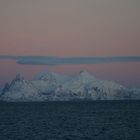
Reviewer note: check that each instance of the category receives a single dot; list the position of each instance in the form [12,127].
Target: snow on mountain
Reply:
[51,76]
[19,90]
[46,83]
[84,85]
[53,86]
[134,93]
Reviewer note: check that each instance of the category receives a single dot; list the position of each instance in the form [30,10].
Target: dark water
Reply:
[100,120]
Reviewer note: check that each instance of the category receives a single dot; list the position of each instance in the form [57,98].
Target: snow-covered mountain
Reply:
[19,90]
[52,87]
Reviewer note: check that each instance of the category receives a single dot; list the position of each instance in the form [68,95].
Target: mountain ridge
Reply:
[58,87]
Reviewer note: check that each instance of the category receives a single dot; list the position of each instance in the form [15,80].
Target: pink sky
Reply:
[71,28]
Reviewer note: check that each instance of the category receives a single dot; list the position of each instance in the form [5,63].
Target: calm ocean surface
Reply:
[100,120]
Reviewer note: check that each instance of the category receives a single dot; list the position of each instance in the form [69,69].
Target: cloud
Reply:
[48,60]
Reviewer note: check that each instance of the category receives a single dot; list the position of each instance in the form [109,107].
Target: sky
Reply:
[71,28]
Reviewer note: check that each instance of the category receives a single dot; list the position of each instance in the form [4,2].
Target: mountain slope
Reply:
[53,86]
[19,90]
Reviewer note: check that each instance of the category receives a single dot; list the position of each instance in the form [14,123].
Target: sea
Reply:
[70,120]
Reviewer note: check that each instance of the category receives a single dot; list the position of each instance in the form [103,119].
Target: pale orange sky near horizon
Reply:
[71,28]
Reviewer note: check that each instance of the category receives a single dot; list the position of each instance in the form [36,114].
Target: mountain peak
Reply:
[45,76]
[86,74]
[19,77]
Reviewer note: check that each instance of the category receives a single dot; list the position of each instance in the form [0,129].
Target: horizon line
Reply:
[56,60]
